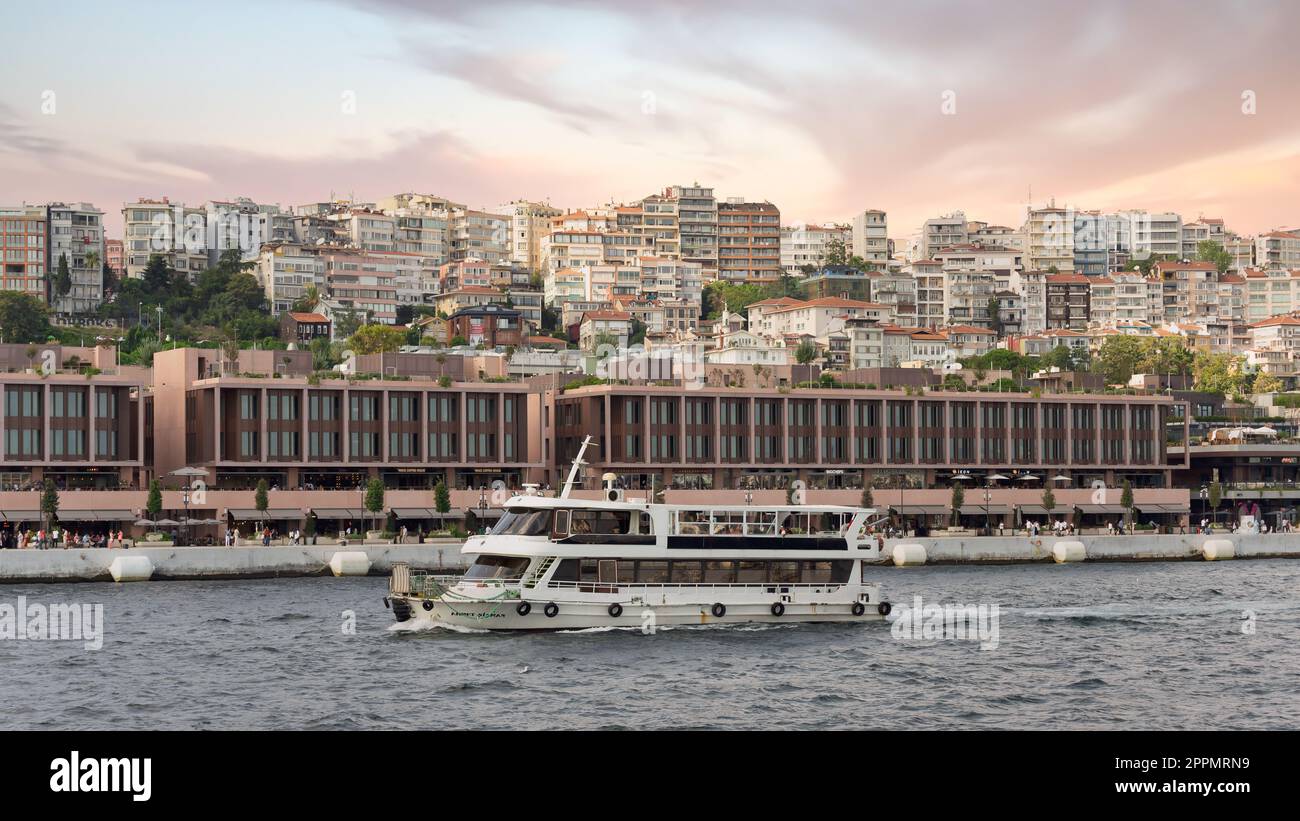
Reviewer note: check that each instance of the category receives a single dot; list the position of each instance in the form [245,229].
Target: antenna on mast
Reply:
[573,471]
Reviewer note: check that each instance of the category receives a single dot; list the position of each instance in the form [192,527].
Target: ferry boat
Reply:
[560,563]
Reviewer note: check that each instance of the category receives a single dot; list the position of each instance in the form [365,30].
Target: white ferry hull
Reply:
[592,615]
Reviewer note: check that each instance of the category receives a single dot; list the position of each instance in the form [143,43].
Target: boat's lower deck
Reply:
[505,608]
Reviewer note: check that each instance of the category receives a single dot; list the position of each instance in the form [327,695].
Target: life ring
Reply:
[523,608]
[719,610]
[615,610]
[884,608]
[859,608]
[778,609]
[427,605]
[551,610]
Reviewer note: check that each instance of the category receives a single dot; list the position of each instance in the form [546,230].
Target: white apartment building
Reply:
[1204,229]
[529,222]
[1270,293]
[940,232]
[1032,287]
[1278,250]
[173,231]
[931,310]
[286,271]
[697,222]
[479,234]
[818,317]
[806,245]
[76,231]
[871,237]
[1049,237]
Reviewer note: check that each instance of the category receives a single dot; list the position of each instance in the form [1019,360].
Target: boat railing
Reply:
[431,585]
[615,587]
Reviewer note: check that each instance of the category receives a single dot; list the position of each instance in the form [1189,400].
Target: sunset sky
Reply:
[822,108]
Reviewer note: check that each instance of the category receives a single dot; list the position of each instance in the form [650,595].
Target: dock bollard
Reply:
[350,563]
[1216,550]
[909,554]
[1069,551]
[131,569]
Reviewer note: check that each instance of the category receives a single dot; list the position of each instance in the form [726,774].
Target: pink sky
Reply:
[822,108]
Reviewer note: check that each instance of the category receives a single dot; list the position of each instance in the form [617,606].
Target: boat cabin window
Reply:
[602,522]
[725,522]
[523,522]
[497,567]
[686,572]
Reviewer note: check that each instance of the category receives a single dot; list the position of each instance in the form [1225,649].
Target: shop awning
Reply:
[921,510]
[978,509]
[1107,509]
[96,516]
[20,515]
[1165,507]
[1039,510]
[485,513]
[421,513]
[342,513]
[274,513]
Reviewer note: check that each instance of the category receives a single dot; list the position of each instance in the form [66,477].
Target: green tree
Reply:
[1118,358]
[1211,251]
[1215,498]
[1049,501]
[441,497]
[260,500]
[1126,501]
[50,503]
[1220,373]
[1266,383]
[307,302]
[157,277]
[806,352]
[995,315]
[23,318]
[868,500]
[62,278]
[958,499]
[836,252]
[377,339]
[153,504]
[375,496]
[1062,356]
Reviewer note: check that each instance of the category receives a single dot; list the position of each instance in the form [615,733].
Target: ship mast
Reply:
[573,471]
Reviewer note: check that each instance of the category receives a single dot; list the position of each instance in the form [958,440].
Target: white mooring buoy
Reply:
[1069,551]
[131,569]
[350,563]
[909,554]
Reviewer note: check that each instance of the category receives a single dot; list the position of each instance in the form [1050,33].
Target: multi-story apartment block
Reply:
[530,222]
[286,271]
[804,246]
[114,257]
[76,232]
[1032,287]
[1049,237]
[23,237]
[481,235]
[871,237]
[1092,252]
[1204,229]
[173,231]
[1269,293]
[749,241]
[1067,301]
[897,290]
[466,272]
[940,232]
[1278,250]
[931,310]
[697,222]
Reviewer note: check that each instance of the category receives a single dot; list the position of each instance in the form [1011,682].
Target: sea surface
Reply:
[1183,645]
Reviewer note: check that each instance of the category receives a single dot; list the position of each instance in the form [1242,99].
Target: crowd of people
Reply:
[60,538]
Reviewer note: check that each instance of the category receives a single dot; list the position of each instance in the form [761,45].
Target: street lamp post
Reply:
[482,505]
[159,309]
[185,525]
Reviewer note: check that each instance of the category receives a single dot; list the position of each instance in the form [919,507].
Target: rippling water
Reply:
[1124,646]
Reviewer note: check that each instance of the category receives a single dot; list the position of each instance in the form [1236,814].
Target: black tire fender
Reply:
[523,608]
[719,610]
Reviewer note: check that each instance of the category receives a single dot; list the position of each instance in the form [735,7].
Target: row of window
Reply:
[725,571]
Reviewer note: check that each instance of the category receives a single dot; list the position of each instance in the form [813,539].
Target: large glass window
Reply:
[497,567]
[523,522]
